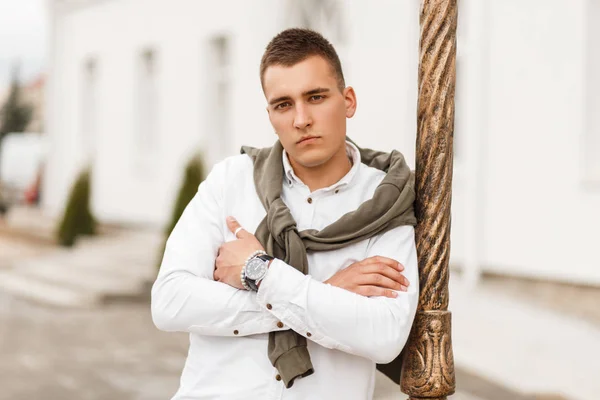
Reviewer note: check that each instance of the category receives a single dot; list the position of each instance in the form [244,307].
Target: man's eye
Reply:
[316,97]
[281,106]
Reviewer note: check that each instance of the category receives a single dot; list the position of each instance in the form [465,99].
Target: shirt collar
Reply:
[351,150]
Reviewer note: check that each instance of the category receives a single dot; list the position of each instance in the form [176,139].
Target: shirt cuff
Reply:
[282,285]
[284,292]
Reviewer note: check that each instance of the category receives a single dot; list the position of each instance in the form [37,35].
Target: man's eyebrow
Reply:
[278,99]
[315,91]
[307,93]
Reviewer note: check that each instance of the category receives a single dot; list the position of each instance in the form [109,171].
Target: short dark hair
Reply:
[294,45]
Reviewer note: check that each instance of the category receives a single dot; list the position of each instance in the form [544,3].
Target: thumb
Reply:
[233,225]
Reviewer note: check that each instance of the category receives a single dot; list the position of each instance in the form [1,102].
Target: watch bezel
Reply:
[260,270]
[252,282]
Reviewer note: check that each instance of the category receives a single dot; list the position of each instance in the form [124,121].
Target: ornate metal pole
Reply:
[428,366]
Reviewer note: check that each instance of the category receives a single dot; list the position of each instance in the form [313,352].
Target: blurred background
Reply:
[113,111]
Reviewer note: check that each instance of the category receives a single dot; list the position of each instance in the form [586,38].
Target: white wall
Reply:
[383,60]
[114,33]
[591,135]
[537,217]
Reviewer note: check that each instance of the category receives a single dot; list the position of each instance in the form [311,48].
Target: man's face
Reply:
[307,110]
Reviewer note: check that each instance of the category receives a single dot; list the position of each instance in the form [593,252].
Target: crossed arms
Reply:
[186,297]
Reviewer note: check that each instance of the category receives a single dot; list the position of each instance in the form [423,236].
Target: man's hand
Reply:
[232,255]
[374,276]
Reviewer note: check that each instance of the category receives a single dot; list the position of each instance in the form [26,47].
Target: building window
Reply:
[89,103]
[146,132]
[219,76]
[323,16]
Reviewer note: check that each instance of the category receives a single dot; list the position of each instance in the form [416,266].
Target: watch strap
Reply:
[265,257]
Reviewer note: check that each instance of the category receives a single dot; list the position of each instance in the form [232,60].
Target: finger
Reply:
[387,283]
[381,281]
[370,291]
[385,270]
[384,260]
[235,227]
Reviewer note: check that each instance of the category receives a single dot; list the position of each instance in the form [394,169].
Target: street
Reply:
[113,352]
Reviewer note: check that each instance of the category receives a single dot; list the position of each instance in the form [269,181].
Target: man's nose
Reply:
[302,119]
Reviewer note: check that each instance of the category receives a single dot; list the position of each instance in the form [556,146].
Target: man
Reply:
[331,297]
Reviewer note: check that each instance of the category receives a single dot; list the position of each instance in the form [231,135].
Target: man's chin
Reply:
[311,160]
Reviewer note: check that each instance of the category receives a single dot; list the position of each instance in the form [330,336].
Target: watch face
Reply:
[255,269]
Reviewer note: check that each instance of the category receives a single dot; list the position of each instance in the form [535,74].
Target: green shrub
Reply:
[15,115]
[77,219]
[193,176]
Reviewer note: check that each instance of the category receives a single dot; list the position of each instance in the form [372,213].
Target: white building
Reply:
[136,86]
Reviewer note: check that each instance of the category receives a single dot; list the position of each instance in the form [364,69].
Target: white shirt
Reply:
[347,333]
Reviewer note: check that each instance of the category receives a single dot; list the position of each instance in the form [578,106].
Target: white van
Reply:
[21,158]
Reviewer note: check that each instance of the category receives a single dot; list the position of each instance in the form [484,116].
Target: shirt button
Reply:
[337,191]
[280,324]
[308,334]
[278,377]
[236,332]
[309,200]
[269,306]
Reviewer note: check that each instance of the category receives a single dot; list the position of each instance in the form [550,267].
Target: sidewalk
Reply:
[111,352]
[524,345]
[24,233]
[116,264]
[506,344]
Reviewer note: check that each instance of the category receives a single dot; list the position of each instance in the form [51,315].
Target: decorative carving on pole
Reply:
[428,367]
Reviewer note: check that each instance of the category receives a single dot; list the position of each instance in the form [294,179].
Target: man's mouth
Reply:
[307,139]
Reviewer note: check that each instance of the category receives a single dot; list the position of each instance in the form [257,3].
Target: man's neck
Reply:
[326,174]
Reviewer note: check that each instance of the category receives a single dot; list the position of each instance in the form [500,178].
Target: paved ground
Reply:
[576,300]
[96,270]
[115,352]
[508,335]
[519,341]
[107,353]
[13,249]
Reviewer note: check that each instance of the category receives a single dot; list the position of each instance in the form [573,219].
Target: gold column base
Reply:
[428,366]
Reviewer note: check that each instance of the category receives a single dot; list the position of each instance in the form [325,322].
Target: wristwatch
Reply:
[256,269]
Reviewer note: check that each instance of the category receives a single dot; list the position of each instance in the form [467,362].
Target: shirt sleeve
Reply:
[372,327]
[185,296]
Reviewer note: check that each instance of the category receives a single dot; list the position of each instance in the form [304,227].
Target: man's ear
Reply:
[350,100]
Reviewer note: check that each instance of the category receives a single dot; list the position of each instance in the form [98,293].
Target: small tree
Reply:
[193,176]
[14,115]
[77,219]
